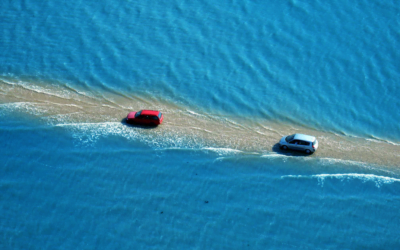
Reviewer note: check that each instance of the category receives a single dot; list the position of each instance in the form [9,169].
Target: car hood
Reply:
[283,141]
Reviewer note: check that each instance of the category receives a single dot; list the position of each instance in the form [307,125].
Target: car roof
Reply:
[150,112]
[304,137]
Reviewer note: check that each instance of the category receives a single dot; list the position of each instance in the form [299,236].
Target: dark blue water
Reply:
[72,176]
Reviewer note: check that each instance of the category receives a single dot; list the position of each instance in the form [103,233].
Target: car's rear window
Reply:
[159,115]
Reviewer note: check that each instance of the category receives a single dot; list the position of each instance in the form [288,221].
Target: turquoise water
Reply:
[74,176]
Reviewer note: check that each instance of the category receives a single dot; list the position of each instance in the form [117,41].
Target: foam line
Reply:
[379,180]
[194,113]
[377,140]
[201,129]
[223,151]
[91,124]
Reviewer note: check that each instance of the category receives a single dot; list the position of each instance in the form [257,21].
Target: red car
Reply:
[145,117]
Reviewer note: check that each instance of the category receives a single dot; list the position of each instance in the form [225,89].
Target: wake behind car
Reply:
[306,143]
[145,117]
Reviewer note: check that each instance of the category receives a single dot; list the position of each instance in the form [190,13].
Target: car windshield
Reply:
[159,115]
[138,113]
[289,138]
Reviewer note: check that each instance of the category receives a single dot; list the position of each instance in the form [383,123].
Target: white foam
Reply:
[379,180]
[323,160]
[275,155]
[377,140]
[28,107]
[88,124]
[270,129]
[87,134]
[111,107]
[202,129]
[344,162]
[373,139]
[193,113]
[281,157]
[223,151]
[7,82]
[56,90]
[38,89]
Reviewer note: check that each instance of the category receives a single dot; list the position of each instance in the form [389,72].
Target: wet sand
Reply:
[62,106]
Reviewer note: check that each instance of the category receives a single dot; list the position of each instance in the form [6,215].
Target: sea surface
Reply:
[231,78]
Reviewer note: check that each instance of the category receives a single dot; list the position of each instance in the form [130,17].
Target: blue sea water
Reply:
[328,66]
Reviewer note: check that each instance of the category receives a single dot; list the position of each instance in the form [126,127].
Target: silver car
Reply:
[306,143]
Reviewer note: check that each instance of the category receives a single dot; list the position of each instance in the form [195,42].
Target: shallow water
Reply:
[231,79]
